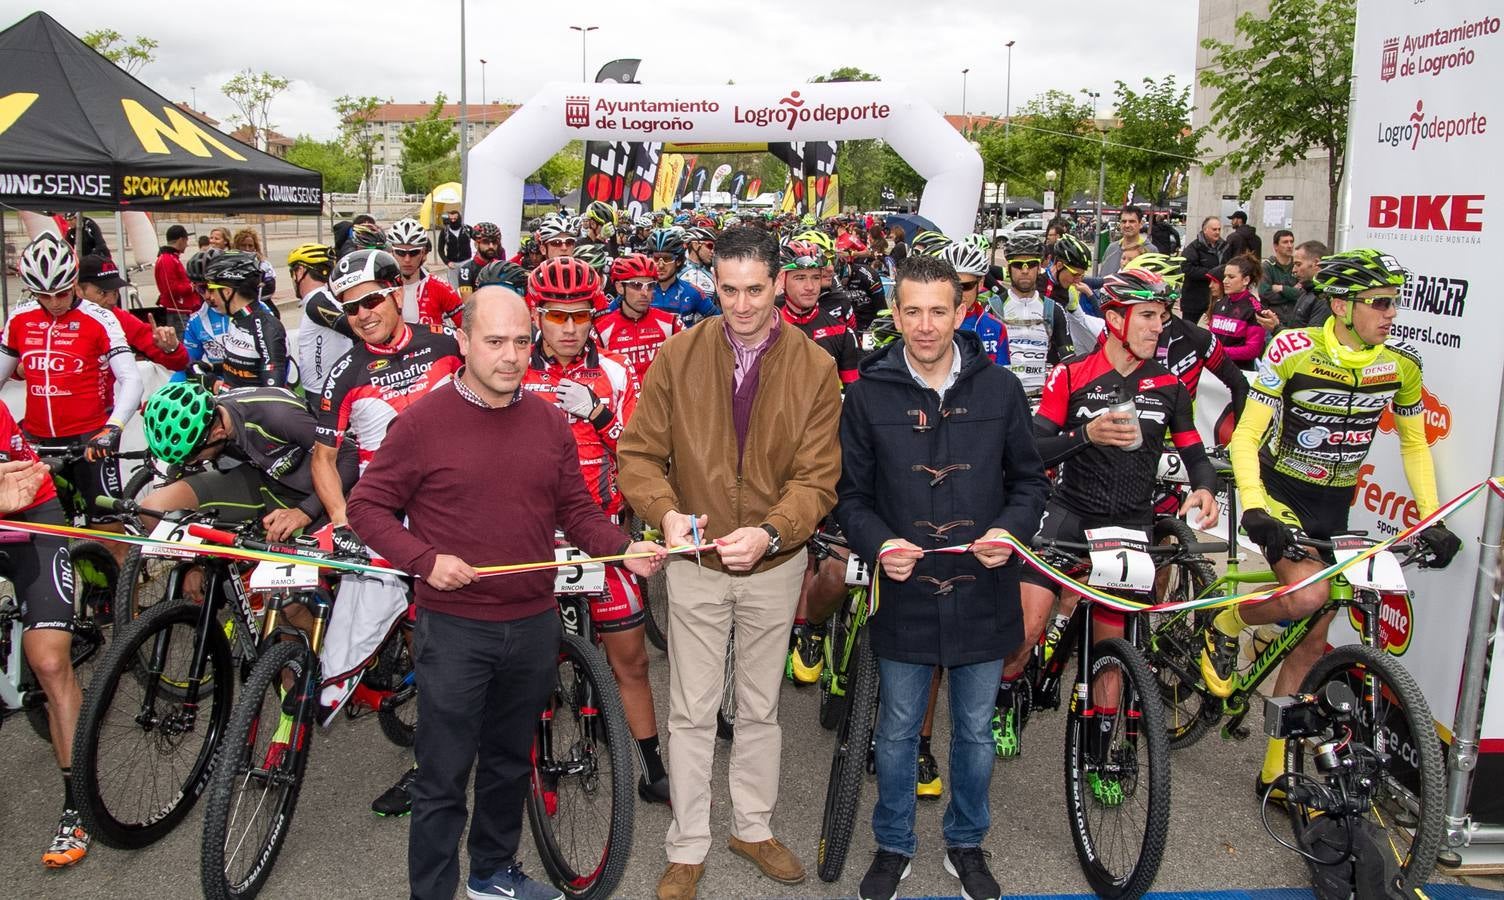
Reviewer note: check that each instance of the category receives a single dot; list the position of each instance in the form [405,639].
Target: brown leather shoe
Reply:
[776,861]
[679,881]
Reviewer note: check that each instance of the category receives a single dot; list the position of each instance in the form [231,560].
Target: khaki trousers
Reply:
[702,606]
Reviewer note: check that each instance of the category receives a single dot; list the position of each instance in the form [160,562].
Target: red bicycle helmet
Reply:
[633,265]
[563,279]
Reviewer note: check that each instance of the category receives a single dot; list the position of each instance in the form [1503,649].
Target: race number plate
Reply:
[277,576]
[578,579]
[1380,572]
[171,531]
[857,571]
[1172,468]
[1120,559]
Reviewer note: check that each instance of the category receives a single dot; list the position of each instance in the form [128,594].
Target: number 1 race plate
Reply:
[589,578]
[171,531]
[1380,572]
[1120,559]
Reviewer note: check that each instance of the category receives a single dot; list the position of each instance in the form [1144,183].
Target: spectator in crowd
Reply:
[203,242]
[1279,288]
[1311,309]
[99,282]
[454,240]
[1201,256]
[1131,244]
[1243,239]
[175,292]
[219,238]
[1058,226]
[1234,316]
[248,241]
[898,248]
[93,238]
[1163,235]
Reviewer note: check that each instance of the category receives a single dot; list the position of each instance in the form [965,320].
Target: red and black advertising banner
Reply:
[792,155]
[608,162]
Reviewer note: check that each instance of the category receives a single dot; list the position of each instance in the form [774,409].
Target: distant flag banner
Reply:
[606,162]
[792,155]
[822,192]
[721,171]
[666,185]
[754,187]
[697,181]
[642,173]
[738,188]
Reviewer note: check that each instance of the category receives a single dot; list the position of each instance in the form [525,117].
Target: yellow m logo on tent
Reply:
[183,131]
[12,107]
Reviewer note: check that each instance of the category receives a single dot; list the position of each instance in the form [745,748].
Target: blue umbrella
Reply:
[910,223]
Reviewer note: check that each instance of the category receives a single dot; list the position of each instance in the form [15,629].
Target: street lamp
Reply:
[1096,267]
[1008,94]
[583,30]
[464,112]
[1049,190]
[963,94]
[485,116]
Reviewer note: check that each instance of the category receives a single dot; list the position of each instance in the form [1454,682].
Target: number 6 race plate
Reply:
[1120,559]
[578,579]
[171,531]
[1380,572]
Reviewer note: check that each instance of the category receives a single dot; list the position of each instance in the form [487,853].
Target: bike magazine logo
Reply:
[1437,416]
[1426,218]
[1396,621]
[1436,128]
[1434,52]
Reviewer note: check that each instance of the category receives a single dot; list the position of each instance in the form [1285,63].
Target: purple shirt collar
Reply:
[747,356]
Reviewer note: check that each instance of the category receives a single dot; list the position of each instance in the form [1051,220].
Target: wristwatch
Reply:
[775,543]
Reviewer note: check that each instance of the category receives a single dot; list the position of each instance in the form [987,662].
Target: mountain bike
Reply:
[848,700]
[257,775]
[581,806]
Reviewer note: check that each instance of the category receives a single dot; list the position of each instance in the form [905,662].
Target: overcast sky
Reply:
[408,50]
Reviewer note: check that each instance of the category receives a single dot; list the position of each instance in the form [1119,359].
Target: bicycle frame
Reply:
[838,659]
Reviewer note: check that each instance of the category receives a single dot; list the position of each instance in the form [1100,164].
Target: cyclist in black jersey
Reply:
[255,346]
[1102,482]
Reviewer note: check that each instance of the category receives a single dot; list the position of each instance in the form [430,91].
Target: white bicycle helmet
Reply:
[553,226]
[407,233]
[966,259]
[362,266]
[47,265]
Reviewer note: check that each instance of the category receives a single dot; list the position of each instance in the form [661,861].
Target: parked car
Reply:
[1025,225]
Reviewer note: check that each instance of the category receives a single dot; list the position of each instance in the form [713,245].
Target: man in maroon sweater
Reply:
[487,645]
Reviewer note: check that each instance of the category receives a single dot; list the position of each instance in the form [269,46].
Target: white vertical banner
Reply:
[1426,186]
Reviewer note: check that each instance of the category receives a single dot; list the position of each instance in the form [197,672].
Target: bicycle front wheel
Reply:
[848,767]
[141,754]
[1393,718]
[1117,774]
[581,806]
[257,774]
[1175,639]
[394,673]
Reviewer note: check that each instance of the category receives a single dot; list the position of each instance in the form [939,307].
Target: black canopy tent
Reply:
[78,132]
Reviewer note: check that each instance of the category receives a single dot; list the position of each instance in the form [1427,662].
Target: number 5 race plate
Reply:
[578,579]
[1120,559]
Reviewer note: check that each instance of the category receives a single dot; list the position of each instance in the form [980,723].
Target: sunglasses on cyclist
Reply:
[52,295]
[805,262]
[561,242]
[369,301]
[1382,304]
[969,286]
[415,251]
[1023,263]
[561,316]
[640,284]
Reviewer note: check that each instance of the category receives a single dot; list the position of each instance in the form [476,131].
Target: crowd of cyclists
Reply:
[607,293]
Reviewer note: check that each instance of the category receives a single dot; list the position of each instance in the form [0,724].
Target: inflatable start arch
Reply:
[680,114]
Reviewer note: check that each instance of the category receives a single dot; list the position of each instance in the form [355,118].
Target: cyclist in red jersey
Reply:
[799,285]
[67,349]
[425,299]
[635,329]
[486,237]
[597,392]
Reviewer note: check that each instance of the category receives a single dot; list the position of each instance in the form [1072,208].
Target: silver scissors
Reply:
[694,530]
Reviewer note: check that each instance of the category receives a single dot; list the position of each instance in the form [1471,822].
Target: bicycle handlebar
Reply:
[1200,548]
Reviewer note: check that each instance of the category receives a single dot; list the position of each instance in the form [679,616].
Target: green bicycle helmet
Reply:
[176,419]
[1072,253]
[1352,271]
[929,243]
[1161,264]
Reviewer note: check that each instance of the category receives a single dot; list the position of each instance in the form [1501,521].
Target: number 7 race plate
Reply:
[171,531]
[1120,559]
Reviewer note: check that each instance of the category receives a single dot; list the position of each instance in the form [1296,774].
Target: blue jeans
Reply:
[905,691]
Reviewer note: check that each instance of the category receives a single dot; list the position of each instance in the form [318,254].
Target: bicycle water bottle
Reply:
[1123,406]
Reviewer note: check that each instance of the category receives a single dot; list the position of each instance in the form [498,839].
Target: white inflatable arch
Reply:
[561,113]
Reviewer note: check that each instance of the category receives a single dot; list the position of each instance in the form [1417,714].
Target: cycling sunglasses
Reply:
[561,316]
[561,242]
[1382,304]
[1023,263]
[969,286]
[641,284]
[416,251]
[369,301]
[805,262]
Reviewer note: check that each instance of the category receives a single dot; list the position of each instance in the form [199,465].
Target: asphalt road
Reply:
[338,849]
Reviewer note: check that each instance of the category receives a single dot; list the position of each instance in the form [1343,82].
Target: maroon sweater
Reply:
[486,485]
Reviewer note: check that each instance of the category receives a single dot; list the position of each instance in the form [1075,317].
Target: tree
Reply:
[253,93]
[355,115]
[844,73]
[1051,132]
[429,149]
[130,56]
[1283,91]
[858,162]
[563,171]
[1156,138]
[341,168]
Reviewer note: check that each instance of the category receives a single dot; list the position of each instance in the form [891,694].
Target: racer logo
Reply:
[1341,400]
[1288,342]
[1438,128]
[1396,618]
[1426,212]
[1437,415]
[1435,294]
[577,112]
[1320,435]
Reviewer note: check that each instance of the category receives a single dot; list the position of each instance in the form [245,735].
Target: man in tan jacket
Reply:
[735,436]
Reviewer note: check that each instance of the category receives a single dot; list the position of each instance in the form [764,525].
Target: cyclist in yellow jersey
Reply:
[1297,450]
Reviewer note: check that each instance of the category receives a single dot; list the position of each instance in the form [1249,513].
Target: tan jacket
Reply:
[679,450]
